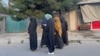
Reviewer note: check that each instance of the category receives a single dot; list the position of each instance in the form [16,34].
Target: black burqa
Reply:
[32,33]
[44,33]
[58,41]
[64,30]
[50,35]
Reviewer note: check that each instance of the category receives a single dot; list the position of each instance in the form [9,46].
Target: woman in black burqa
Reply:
[64,30]
[32,33]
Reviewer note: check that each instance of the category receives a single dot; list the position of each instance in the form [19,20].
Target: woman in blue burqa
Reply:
[44,33]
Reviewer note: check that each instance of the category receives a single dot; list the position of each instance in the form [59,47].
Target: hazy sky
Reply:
[5,3]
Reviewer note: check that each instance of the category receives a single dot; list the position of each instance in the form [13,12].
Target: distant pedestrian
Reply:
[32,33]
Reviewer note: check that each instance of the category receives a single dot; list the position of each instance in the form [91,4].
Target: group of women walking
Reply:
[54,32]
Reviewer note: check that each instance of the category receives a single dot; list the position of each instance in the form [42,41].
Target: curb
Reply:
[26,40]
[22,38]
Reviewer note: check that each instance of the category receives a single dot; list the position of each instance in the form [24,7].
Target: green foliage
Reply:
[38,8]
[19,4]
[2,9]
[69,5]
[38,14]
[54,4]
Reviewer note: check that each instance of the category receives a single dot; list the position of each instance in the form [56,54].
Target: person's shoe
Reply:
[65,44]
[33,49]
[50,52]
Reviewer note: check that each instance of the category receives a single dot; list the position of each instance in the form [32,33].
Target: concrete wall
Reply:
[73,20]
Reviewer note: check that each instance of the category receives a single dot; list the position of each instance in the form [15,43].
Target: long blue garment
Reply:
[44,21]
[44,33]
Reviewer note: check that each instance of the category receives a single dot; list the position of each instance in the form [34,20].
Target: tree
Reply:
[70,5]
[37,8]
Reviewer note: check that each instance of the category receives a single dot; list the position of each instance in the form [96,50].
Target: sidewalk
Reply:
[81,37]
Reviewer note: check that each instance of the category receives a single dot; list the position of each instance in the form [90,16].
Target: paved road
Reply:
[71,50]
